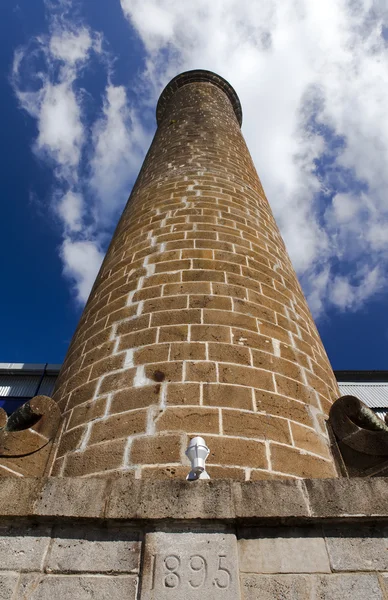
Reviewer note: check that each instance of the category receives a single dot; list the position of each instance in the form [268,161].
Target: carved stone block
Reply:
[192,566]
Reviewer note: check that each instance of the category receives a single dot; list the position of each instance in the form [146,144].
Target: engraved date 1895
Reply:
[192,571]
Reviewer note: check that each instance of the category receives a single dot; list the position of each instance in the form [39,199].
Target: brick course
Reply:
[196,323]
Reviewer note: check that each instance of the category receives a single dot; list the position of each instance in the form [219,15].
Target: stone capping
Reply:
[122,498]
[197,75]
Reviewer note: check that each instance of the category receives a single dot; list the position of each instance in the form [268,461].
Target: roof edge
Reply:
[373,375]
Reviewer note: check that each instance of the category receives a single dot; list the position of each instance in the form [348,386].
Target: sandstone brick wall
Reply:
[196,323]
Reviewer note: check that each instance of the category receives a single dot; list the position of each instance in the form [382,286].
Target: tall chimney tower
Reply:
[196,324]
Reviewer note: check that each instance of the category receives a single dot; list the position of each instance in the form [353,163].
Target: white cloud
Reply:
[70,209]
[118,146]
[345,209]
[306,73]
[49,95]
[347,296]
[311,77]
[82,261]
[70,46]
[61,131]
[85,204]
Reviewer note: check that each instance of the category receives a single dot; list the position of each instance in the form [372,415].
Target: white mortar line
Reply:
[108,405]
[85,438]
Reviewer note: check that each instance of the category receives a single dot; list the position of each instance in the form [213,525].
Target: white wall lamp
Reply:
[197,453]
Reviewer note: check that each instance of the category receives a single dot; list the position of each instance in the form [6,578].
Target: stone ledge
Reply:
[197,76]
[120,497]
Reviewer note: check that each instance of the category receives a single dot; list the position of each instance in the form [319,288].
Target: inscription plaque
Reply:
[190,566]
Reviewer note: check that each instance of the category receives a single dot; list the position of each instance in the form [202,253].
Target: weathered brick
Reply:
[265,360]
[231,354]
[236,452]
[197,253]
[308,439]
[273,331]
[177,317]
[262,300]
[274,404]
[165,371]
[302,346]
[118,426]
[183,393]
[117,381]
[296,462]
[164,256]
[86,413]
[82,394]
[210,333]
[70,440]
[98,353]
[96,459]
[124,313]
[295,389]
[208,301]
[112,363]
[254,310]
[161,278]
[164,303]
[187,351]
[134,324]
[200,287]
[254,425]
[172,265]
[147,293]
[151,354]
[189,419]
[250,339]
[231,396]
[291,353]
[156,449]
[248,376]
[216,472]
[138,338]
[201,371]
[201,275]
[286,323]
[134,398]
[234,291]
[223,317]
[174,333]
[317,384]
[79,378]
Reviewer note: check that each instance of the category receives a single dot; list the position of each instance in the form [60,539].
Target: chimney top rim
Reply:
[194,76]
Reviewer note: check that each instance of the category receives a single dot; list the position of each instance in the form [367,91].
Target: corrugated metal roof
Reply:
[28,368]
[374,394]
[381,414]
[26,385]
[47,385]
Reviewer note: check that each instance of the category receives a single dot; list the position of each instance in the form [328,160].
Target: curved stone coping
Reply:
[121,497]
[30,428]
[197,75]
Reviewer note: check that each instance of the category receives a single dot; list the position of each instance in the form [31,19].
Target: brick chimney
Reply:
[196,324]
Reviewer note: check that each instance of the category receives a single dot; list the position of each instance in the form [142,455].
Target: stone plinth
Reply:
[305,540]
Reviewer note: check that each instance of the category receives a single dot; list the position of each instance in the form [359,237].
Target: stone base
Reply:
[114,538]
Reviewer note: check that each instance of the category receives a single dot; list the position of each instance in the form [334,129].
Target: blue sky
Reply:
[79,85]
